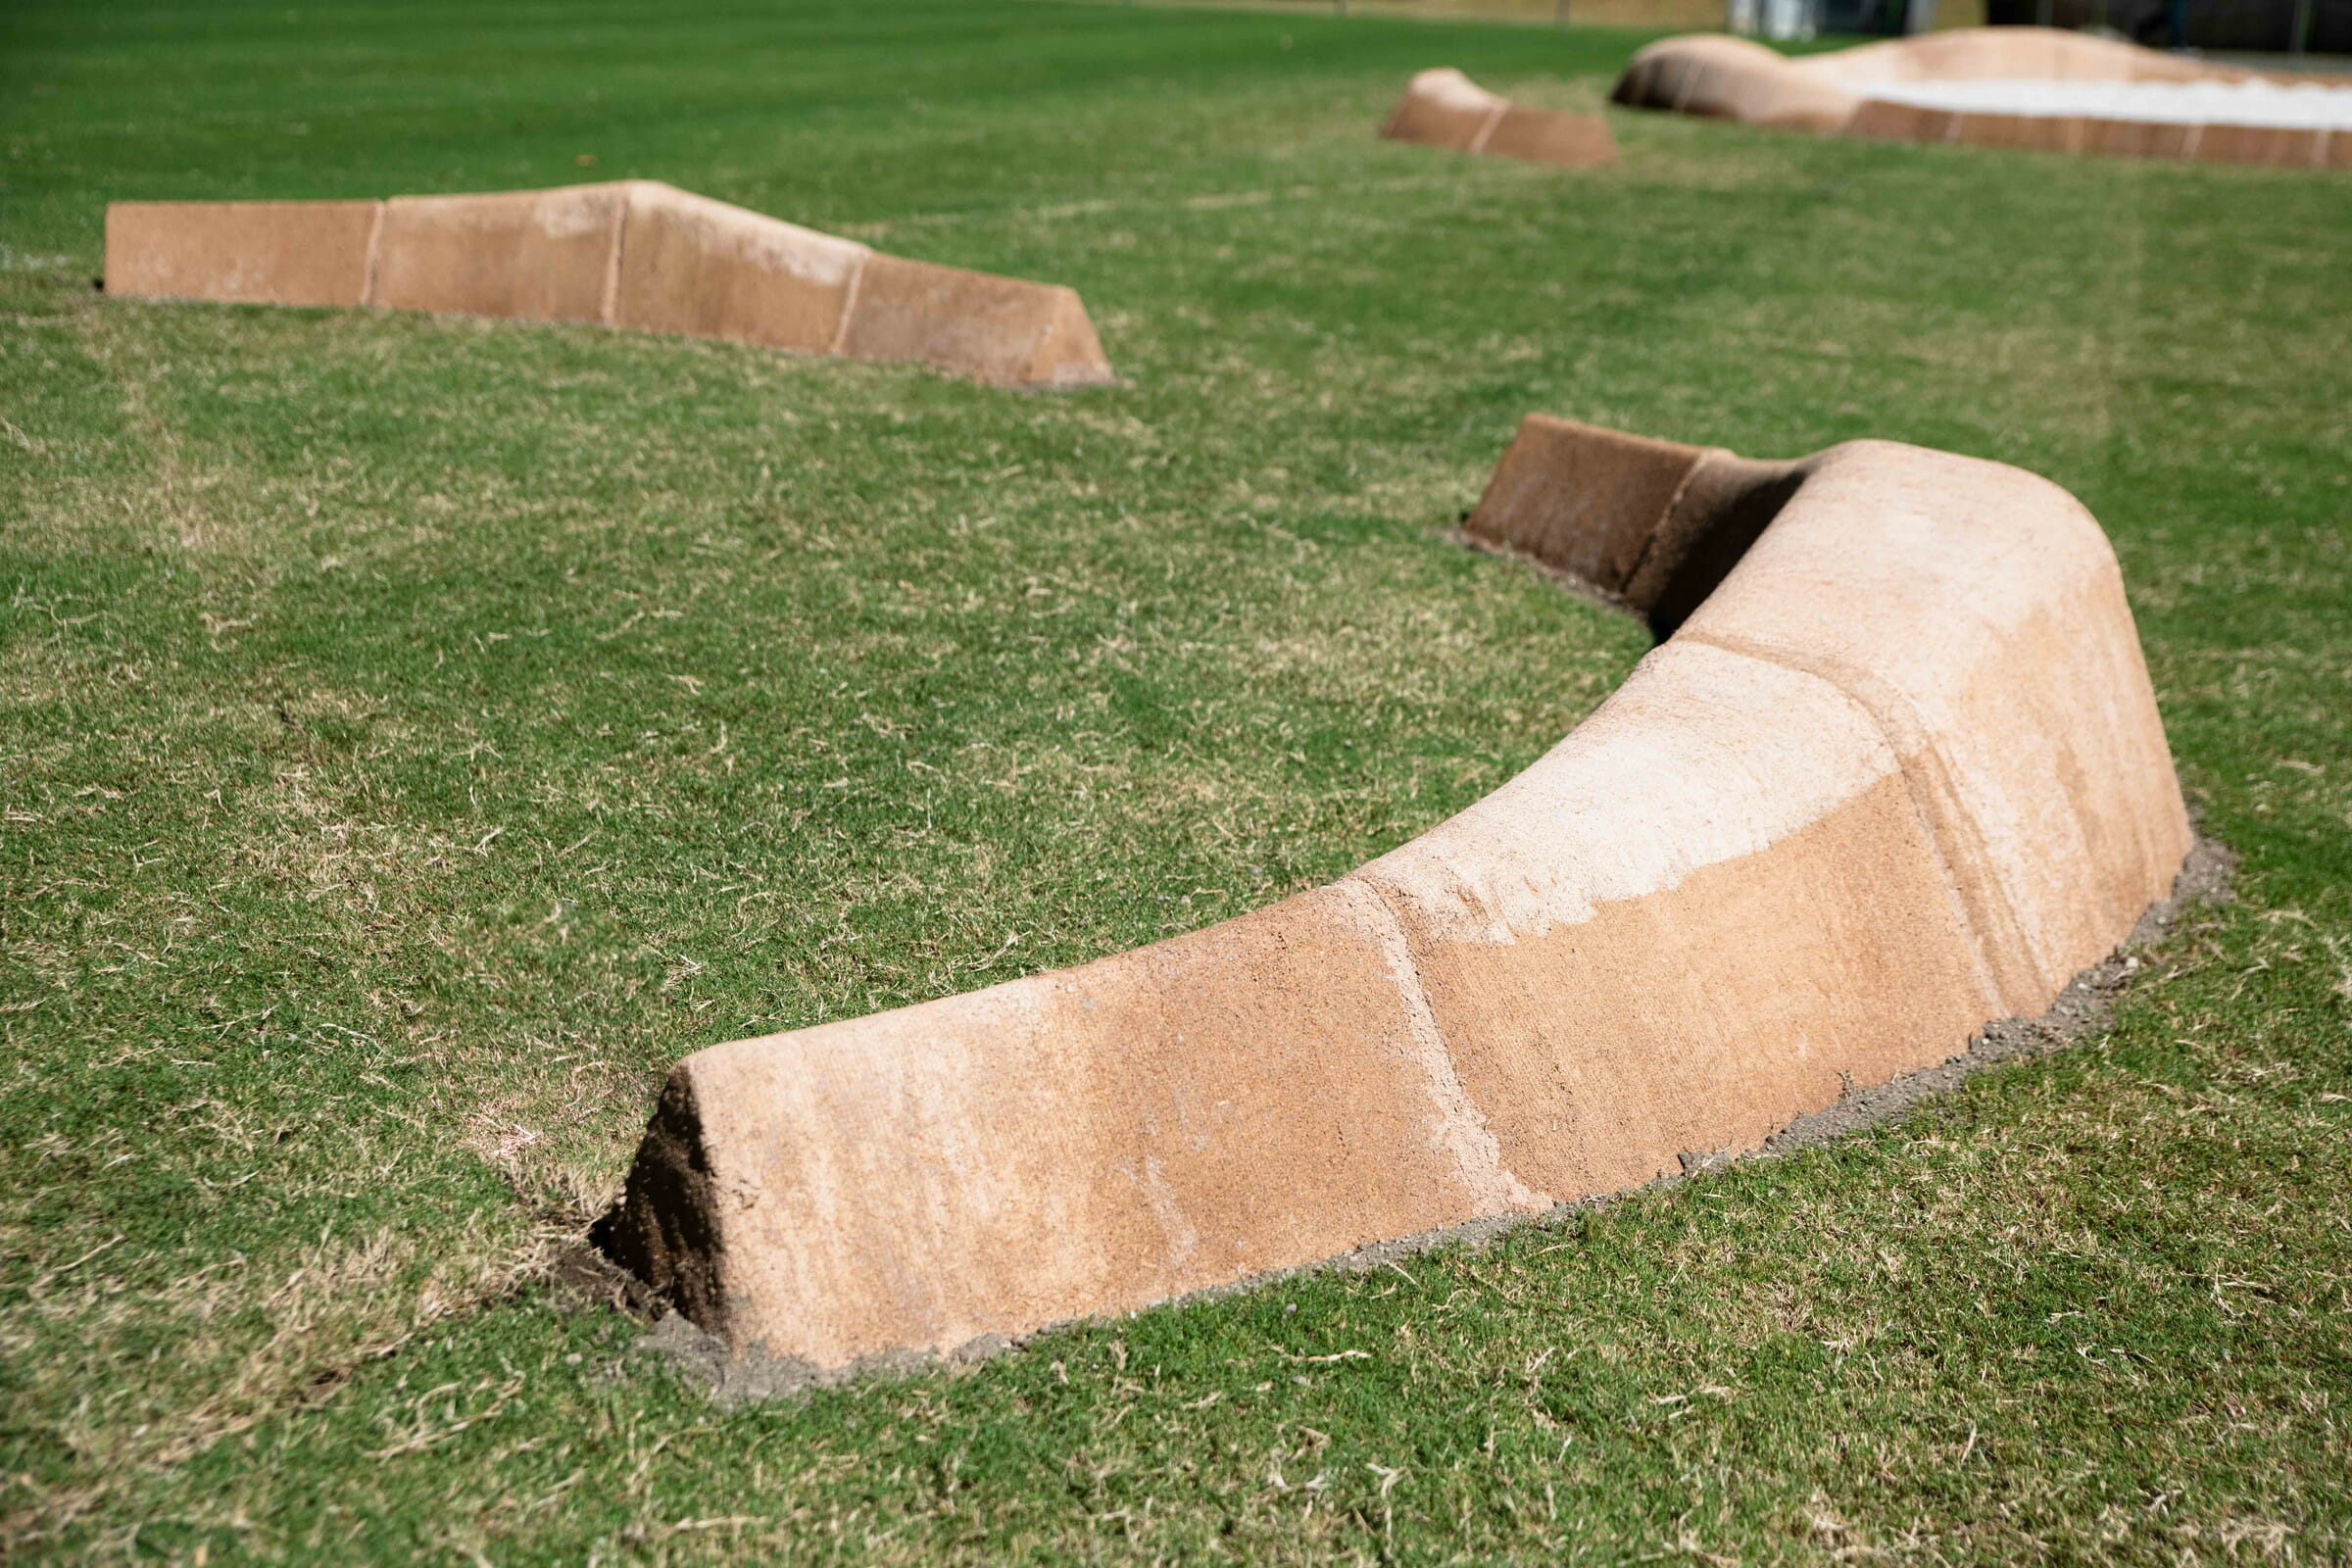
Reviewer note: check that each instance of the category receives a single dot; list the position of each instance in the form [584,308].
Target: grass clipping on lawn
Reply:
[416,734]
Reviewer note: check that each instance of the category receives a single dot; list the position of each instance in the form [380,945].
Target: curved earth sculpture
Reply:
[1895,771]
[633,254]
[1736,78]
[1444,108]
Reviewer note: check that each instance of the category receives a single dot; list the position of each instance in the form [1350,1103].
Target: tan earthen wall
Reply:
[635,254]
[1738,79]
[1895,771]
[1444,108]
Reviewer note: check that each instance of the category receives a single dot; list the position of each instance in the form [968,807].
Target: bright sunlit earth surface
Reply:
[417,734]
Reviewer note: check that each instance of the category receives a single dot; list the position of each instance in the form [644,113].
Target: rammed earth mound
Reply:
[420,732]
[637,254]
[2034,89]
[1895,773]
[2278,105]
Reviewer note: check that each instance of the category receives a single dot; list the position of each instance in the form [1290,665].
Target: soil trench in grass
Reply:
[416,734]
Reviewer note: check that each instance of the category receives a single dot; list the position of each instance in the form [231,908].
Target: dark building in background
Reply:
[1881,18]
[2273,26]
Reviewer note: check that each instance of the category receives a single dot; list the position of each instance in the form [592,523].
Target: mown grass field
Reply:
[416,734]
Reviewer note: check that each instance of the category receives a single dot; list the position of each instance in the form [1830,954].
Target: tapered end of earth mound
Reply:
[1653,525]
[1442,108]
[1896,773]
[635,254]
[665,1229]
[995,328]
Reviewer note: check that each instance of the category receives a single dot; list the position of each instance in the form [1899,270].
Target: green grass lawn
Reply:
[416,734]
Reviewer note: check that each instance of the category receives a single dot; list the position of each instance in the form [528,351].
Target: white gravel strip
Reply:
[2182,103]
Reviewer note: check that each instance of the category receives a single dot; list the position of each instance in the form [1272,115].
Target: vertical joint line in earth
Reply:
[849,303]
[1478,143]
[620,233]
[376,241]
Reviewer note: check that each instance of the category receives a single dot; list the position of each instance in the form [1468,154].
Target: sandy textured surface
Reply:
[1896,773]
[1442,108]
[634,254]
